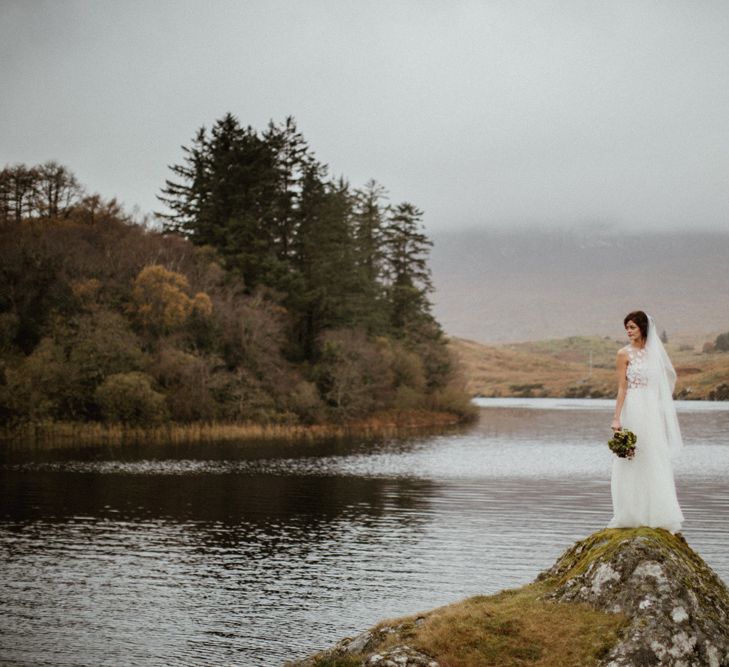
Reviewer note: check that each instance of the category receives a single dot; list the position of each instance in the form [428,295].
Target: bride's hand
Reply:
[615,426]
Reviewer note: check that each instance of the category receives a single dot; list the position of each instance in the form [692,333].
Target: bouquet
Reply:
[623,444]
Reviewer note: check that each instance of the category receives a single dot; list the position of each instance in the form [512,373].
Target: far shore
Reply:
[588,396]
[579,367]
[85,434]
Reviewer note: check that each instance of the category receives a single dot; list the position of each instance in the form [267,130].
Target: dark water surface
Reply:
[250,554]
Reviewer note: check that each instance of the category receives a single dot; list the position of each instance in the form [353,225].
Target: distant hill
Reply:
[578,366]
[497,286]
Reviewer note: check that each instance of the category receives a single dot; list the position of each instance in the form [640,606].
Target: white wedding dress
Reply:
[643,489]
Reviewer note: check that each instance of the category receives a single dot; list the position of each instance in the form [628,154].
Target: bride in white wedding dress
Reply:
[643,489]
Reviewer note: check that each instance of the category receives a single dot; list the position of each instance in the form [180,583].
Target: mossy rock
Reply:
[677,606]
[619,598]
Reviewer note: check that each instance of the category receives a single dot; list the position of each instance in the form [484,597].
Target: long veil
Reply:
[665,375]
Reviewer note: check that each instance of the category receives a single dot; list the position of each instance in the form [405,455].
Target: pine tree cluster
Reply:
[337,257]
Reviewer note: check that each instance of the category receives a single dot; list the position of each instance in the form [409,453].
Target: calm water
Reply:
[253,554]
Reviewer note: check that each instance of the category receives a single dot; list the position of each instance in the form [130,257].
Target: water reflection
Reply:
[201,498]
[240,554]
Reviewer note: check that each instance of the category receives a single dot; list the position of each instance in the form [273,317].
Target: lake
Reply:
[255,553]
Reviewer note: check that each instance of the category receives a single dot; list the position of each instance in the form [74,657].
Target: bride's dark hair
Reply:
[640,319]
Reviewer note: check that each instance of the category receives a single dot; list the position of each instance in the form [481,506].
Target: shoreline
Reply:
[89,434]
[516,399]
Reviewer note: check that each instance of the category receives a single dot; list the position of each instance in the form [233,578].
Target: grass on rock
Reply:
[514,627]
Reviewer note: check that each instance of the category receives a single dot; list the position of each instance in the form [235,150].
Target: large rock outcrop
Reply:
[659,604]
[678,609]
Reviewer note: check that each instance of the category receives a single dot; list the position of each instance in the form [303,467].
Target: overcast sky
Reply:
[482,113]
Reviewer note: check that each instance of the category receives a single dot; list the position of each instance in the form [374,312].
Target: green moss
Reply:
[354,660]
[602,545]
[683,564]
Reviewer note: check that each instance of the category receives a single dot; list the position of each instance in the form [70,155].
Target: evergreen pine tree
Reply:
[369,222]
[186,196]
[406,249]
[331,290]
[292,159]
[226,197]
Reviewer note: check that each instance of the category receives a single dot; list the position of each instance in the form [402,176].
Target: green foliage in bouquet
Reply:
[623,444]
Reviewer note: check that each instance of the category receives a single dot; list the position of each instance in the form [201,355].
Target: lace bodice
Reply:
[637,371]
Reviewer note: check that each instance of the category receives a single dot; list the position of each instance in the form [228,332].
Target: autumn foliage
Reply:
[104,319]
[160,303]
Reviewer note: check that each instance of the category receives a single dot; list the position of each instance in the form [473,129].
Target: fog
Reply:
[499,286]
[484,114]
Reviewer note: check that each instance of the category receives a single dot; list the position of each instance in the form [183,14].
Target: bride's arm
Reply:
[621,364]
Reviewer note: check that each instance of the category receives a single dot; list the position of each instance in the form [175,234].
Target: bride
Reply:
[643,490]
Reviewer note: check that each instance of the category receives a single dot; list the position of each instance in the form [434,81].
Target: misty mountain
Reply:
[498,285]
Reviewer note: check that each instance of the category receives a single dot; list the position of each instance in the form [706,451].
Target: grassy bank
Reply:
[60,434]
[515,627]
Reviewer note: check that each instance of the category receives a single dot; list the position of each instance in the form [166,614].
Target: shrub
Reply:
[251,332]
[438,361]
[352,374]
[722,342]
[9,324]
[37,388]
[526,390]
[305,402]
[407,398]
[57,380]
[453,398]
[720,392]
[130,399]
[98,345]
[187,381]
[408,370]
[86,291]
[160,303]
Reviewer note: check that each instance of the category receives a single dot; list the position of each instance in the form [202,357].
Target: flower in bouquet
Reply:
[623,444]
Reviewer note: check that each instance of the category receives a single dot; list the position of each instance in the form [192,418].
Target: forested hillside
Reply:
[273,293]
